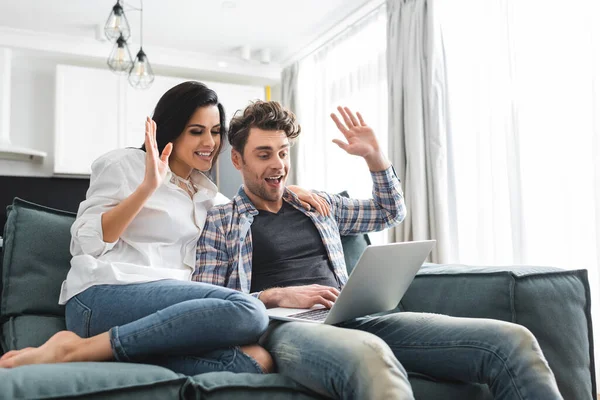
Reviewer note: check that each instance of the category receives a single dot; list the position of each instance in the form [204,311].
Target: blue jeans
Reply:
[188,327]
[365,358]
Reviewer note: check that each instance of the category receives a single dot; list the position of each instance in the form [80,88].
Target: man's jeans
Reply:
[188,327]
[342,362]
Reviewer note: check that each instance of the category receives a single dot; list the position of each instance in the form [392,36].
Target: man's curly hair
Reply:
[265,115]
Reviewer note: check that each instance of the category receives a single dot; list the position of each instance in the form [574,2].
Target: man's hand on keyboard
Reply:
[299,296]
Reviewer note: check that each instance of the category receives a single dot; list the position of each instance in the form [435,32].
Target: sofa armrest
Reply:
[554,304]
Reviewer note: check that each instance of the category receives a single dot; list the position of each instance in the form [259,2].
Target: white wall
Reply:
[32,112]
[33,104]
[276,92]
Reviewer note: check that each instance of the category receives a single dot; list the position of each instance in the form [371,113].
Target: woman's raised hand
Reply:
[156,166]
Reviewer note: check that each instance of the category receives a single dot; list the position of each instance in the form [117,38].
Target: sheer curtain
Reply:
[289,99]
[419,125]
[348,71]
[485,132]
[524,87]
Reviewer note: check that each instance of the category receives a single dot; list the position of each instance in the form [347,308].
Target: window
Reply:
[524,108]
[349,71]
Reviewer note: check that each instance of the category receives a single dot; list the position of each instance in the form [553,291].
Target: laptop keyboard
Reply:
[318,314]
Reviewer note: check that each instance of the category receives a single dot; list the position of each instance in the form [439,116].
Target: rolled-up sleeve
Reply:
[108,187]
[212,258]
[384,210]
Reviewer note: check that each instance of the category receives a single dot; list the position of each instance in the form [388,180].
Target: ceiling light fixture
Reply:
[117,27]
[117,24]
[119,59]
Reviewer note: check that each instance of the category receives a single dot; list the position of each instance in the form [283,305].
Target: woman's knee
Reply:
[253,317]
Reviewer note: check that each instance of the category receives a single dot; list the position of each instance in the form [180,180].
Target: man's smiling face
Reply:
[265,163]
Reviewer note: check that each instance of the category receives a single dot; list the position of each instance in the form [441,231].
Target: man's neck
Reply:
[262,204]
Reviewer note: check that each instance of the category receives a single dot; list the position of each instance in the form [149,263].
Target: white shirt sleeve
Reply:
[109,185]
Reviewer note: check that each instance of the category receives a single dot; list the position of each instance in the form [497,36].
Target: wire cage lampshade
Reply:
[139,70]
[141,75]
[117,24]
[119,60]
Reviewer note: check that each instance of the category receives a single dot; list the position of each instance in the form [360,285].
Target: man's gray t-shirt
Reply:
[288,251]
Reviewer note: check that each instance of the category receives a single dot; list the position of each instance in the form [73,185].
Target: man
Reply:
[264,242]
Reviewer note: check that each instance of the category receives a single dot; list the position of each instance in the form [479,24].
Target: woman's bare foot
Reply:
[261,356]
[13,353]
[64,346]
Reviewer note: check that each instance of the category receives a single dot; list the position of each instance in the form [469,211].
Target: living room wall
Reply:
[33,91]
[32,111]
[32,125]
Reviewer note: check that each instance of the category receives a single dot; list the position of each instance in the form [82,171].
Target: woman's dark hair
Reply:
[176,107]
[266,115]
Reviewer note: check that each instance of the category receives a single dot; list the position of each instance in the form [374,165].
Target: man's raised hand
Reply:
[360,139]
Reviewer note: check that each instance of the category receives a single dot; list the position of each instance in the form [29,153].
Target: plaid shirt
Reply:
[224,251]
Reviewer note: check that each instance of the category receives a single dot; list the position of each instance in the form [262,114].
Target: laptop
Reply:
[377,283]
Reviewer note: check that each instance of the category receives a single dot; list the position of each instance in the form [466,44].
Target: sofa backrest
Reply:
[553,303]
[36,260]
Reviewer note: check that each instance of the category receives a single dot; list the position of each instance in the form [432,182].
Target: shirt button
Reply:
[241,240]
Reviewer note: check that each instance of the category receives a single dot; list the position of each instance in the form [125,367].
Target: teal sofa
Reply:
[554,304]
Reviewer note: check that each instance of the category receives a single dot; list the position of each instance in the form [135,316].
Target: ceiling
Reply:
[216,27]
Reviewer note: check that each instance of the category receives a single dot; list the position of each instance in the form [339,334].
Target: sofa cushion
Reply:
[1,257]
[554,304]
[354,246]
[36,260]
[110,380]
[231,386]
[226,385]
[91,380]
[29,330]
[427,388]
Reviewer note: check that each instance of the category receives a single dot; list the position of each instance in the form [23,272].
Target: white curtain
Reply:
[289,99]
[485,143]
[418,123]
[348,71]
[524,84]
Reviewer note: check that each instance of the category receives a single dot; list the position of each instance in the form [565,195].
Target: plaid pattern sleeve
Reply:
[384,210]
[212,258]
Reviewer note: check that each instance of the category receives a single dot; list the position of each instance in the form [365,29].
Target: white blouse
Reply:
[160,242]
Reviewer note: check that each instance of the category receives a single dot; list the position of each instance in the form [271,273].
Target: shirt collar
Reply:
[245,205]
[202,182]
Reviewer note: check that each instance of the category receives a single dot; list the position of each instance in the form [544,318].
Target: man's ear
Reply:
[236,159]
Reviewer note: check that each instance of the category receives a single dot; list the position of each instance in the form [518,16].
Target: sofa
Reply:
[553,303]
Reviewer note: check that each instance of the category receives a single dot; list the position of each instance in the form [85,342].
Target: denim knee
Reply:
[253,317]
[516,338]
[375,351]
[517,343]
[372,365]
[366,357]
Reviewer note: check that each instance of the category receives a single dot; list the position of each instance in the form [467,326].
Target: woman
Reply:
[128,293]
